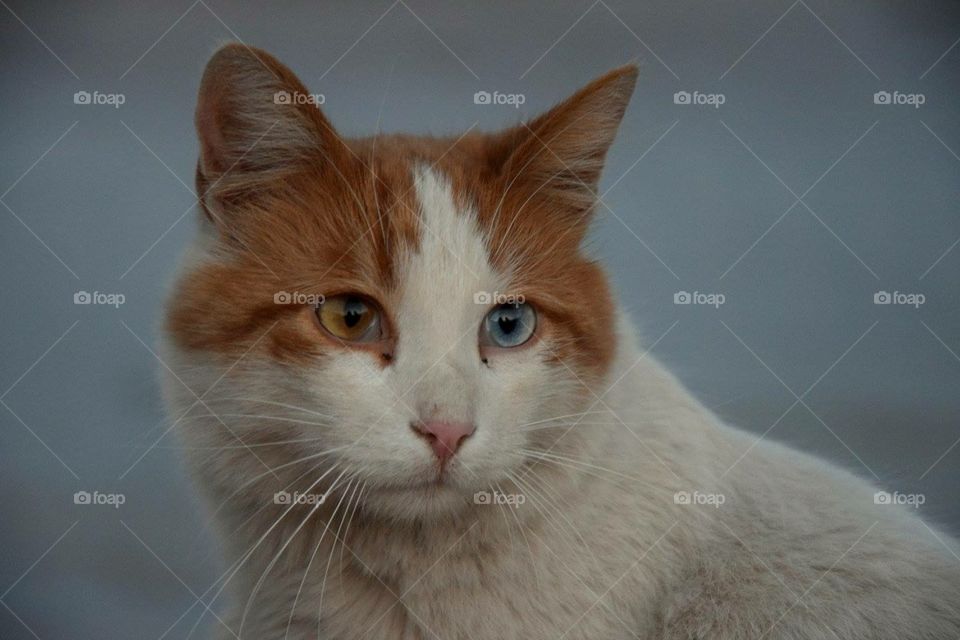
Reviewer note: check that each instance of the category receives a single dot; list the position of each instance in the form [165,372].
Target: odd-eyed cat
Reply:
[417,412]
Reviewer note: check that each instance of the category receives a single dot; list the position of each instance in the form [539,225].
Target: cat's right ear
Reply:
[257,125]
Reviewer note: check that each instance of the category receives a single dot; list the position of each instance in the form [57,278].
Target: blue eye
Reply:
[509,325]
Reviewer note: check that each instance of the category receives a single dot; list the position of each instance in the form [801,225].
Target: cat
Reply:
[416,410]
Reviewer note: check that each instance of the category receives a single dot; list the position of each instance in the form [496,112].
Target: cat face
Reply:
[410,315]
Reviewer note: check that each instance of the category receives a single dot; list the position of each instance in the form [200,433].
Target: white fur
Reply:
[599,550]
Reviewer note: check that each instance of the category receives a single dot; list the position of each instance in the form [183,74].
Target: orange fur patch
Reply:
[337,219]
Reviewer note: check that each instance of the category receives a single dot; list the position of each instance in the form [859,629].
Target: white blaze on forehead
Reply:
[438,319]
[452,266]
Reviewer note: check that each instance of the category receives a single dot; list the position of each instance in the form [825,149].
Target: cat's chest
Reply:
[532,592]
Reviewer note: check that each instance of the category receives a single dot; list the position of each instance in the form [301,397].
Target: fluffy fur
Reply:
[592,436]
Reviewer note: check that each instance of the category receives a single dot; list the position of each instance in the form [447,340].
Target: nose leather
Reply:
[444,437]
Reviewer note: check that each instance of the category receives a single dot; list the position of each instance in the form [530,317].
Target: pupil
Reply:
[507,325]
[353,313]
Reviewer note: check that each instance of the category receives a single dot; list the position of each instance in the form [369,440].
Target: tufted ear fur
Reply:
[558,156]
[257,126]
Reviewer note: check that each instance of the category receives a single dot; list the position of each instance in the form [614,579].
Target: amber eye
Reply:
[351,318]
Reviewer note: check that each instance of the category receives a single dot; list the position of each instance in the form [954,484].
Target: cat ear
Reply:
[558,156]
[257,124]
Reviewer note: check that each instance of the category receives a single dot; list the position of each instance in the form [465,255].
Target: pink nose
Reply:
[443,437]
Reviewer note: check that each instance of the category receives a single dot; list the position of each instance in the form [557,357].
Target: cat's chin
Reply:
[421,500]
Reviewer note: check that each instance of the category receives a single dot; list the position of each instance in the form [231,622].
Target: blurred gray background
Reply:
[797,199]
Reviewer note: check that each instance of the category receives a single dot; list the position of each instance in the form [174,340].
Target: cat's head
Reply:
[413,313]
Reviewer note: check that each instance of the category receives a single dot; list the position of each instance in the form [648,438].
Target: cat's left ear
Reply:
[557,157]
[257,125]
